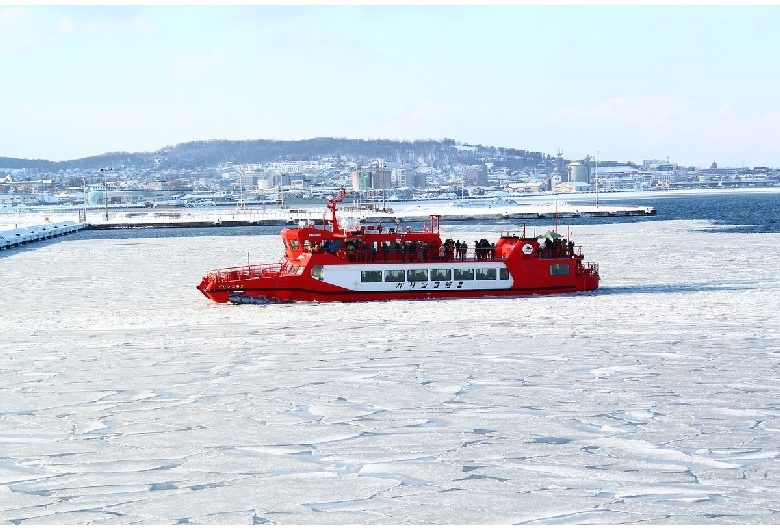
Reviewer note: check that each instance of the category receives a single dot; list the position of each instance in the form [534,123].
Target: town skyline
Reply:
[690,84]
[221,152]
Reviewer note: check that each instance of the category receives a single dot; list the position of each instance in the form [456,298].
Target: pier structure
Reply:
[408,212]
[405,212]
[14,237]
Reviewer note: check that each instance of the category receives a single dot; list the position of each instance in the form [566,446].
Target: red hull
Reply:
[367,263]
[263,296]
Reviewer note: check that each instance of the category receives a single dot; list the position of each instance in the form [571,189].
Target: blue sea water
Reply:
[731,212]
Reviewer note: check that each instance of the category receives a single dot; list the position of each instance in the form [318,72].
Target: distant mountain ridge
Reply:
[210,153]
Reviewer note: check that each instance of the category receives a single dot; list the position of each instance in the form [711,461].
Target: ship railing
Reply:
[588,269]
[246,273]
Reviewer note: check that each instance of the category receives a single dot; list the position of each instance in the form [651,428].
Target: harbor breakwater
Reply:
[14,237]
[26,228]
[405,213]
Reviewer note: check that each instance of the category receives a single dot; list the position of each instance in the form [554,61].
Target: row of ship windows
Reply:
[446,275]
[434,275]
[439,275]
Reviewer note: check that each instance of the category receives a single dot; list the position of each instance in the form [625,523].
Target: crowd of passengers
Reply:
[556,248]
[450,250]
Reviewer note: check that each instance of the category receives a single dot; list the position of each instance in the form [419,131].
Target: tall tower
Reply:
[559,173]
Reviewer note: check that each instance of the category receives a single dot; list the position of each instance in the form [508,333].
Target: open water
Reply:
[127,397]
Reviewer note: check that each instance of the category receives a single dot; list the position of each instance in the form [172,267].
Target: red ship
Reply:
[369,262]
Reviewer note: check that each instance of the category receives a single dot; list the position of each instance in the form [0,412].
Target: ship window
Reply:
[503,273]
[417,275]
[463,274]
[370,276]
[441,275]
[486,274]
[559,269]
[317,272]
[294,244]
[394,276]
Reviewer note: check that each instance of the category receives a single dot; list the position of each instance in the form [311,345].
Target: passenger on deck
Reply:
[482,249]
[409,251]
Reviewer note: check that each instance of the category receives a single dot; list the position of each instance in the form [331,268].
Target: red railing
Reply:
[245,273]
[588,269]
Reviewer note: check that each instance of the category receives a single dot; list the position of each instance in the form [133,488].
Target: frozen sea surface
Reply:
[127,397]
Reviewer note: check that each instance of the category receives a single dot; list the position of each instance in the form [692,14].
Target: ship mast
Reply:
[332,207]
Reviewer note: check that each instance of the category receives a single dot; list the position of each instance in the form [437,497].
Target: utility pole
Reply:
[104,171]
[83,214]
[281,189]
[597,179]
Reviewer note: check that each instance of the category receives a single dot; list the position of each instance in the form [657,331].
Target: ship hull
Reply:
[533,279]
[263,297]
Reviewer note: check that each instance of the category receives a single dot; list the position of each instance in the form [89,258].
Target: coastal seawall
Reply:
[26,227]
[406,213]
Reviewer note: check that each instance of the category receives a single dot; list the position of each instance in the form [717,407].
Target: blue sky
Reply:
[696,84]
